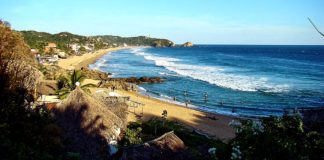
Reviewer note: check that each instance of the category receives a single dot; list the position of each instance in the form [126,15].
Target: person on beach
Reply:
[185,93]
[205,96]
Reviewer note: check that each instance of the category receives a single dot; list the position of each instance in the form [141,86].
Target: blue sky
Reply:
[199,21]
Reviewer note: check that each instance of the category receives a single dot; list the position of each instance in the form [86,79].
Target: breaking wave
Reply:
[214,75]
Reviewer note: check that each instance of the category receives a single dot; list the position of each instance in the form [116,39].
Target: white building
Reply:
[75,47]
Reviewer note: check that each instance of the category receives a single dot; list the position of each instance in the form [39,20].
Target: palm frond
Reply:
[80,77]
[88,85]
[69,83]
[62,93]
[315,27]
[63,96]
[86,90]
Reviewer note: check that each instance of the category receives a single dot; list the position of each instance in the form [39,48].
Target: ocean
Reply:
[242,80]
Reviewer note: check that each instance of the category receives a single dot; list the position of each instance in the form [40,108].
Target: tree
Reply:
[164,116]
[132,136]
[82,50]
[276,138]
[5,23]
[17,64]
[69,83]
[25,132]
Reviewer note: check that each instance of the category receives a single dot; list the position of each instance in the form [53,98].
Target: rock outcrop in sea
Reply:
[187,44]
[163,43]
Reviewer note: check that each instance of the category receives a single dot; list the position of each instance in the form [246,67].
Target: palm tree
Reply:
[66,84]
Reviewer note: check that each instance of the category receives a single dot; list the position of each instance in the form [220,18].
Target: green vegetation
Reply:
[26,132]
[276,138]
[135,41]
[68,83]
[197,144]
[132,136]
[39,40]
[267,138]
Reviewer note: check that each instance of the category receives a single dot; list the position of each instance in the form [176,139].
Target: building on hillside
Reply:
[52,59]
[75,47]
[61,54]
[51,47]
[34,51]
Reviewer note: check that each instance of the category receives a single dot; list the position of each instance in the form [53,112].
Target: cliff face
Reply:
[187,44]
[163,43]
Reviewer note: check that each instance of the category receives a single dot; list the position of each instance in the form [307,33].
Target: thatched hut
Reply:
[91,127]
[168,146]
[117,105]
[46,87]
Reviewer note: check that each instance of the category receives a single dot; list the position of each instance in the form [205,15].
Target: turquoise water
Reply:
[243,80]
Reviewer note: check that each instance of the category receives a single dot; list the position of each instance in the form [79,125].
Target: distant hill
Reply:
[64,40]
[135,41]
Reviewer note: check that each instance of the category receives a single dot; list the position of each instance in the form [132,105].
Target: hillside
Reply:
[65,40]
[134,41]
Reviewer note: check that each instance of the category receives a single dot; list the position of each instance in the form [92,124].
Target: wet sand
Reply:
[214,125]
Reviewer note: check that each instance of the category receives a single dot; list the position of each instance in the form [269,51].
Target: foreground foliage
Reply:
[276,138]
[68,83]
[25,132]
[198,145]
[265,138]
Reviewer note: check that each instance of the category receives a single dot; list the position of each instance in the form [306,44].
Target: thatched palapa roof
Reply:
[46,87]
[92,109]
[168,146]
[88,123]
[118,107]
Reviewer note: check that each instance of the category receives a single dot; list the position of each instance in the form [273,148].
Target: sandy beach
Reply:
[77,62]
[214,125]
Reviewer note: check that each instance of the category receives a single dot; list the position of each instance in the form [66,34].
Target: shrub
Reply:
[132,136]
[277,138]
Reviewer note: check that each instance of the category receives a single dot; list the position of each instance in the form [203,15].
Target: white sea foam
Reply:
[215,75]
[169,74]
[141,89]
[100,63]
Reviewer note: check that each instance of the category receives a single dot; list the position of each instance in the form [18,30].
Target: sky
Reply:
[199,21]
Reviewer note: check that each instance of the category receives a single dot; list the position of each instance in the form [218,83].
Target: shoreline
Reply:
[77,62]
[210,124]
[191,106]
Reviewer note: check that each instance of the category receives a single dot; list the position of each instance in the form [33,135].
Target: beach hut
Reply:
[46,87]
[168,146]
[115,104]
[92,128]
